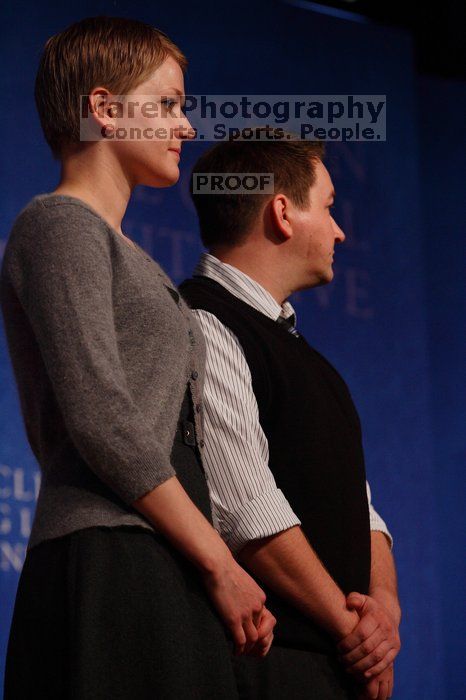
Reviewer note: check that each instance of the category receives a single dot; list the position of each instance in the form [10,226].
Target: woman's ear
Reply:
[103,110]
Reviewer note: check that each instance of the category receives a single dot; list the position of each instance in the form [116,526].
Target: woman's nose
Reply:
[184,130]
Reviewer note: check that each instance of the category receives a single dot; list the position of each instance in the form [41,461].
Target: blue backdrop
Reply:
[391,319]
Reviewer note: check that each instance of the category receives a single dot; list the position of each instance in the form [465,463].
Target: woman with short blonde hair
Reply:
[126,583]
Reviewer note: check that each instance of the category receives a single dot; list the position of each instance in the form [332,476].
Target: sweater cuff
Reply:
[141,477]
[265,515]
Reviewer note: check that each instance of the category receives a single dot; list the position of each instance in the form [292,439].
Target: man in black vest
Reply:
[283,448]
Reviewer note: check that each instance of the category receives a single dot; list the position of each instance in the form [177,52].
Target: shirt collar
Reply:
[242,286]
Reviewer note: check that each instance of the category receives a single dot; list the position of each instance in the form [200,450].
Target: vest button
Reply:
[198,408]
[194,375]
[201,443]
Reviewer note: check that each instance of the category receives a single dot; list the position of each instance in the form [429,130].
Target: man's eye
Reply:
[169,101]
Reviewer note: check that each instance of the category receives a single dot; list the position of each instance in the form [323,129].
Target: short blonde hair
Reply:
[114,52]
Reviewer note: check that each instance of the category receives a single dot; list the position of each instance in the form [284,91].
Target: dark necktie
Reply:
[288,324]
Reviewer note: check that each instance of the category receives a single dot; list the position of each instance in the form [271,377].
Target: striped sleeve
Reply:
[376,522]
[247,503]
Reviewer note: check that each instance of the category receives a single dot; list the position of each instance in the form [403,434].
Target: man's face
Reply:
[316,233]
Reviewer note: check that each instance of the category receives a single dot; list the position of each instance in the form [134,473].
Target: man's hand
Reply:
[389,600]
[374,643]
[378,688]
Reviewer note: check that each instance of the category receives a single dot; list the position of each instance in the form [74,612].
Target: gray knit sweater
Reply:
[102,348]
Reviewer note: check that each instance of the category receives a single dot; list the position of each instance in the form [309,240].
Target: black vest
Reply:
[316,456]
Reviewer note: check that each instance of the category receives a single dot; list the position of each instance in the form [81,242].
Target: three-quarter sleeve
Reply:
[63,279]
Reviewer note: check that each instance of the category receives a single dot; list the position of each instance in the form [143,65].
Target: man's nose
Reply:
[339,234]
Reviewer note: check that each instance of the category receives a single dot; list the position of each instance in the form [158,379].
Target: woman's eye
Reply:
[168,101]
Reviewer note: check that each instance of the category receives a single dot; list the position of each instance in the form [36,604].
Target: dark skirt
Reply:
[296,674]
[117,613]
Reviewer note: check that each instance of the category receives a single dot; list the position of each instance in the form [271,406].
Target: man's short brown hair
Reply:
[225,220]
[114,52]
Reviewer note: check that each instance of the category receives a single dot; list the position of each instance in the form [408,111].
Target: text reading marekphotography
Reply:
[230,117]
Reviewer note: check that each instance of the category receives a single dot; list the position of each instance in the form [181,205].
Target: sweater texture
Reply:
[103,348]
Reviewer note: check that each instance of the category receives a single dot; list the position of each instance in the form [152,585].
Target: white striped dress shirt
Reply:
[246,501]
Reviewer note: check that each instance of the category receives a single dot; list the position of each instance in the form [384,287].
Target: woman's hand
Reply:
[265,631]
[240,603]
[234,593]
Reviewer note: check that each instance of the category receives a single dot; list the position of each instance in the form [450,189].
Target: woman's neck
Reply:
[87,176]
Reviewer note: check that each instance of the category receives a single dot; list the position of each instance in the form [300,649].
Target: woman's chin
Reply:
[168,179]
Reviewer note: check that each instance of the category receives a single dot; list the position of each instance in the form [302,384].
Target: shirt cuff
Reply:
[376,523]
[265,515]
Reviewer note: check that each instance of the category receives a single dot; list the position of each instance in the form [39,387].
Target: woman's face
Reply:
[149,130]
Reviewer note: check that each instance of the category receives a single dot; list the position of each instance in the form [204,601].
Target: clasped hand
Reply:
[369,650]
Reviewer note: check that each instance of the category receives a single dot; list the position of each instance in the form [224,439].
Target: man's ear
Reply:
[279,214]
